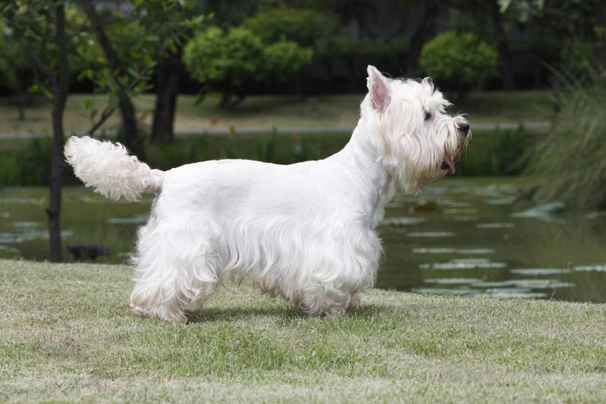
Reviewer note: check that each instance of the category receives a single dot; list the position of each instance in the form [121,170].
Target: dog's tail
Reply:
[109,169]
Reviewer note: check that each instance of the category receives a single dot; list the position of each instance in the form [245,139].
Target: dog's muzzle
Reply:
[448,162]
[463,128]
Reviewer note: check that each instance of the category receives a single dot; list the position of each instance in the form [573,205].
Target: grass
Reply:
[267,112]
[570,163]
[66,335]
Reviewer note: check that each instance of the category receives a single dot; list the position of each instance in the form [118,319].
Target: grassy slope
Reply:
[66,334]
[334,111]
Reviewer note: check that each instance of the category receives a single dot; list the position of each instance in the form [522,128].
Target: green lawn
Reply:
[66,335]
[266,112]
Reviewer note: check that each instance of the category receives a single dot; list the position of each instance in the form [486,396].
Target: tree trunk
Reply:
[132,140]
[55,182]
[507,79]
[60,92]
[167,89]
[127,109]
[428,16]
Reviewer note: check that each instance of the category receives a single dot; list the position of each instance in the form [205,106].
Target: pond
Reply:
[463,236]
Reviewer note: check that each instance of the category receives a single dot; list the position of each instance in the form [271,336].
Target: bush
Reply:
[285,60]
[28,163]
[302,26]
[495,153]
[224,62]
[570,161]
[459,62]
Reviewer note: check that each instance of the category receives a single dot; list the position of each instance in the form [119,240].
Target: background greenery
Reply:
[498,152]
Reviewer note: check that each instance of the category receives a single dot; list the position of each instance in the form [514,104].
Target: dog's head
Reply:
[405,124]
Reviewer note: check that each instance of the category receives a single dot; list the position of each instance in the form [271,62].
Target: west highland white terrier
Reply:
[303,231]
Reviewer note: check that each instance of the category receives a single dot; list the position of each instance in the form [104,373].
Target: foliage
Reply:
[302,26]
[137,39]
[28,28]
[28,162]
[499,152]
[579,25]
[12,59]
[224,62]
[570,161]
[458,61]
[227,61]
[285,60]
[341,47]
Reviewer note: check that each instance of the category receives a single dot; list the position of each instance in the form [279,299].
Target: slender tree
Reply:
[127,109]
[427,16]
[26,22]
[168,73]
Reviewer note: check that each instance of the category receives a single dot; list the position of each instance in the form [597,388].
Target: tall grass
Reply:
[570,161]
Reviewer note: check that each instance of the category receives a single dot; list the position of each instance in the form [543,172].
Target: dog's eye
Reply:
[427,116]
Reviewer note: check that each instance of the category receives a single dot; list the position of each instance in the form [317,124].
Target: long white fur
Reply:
[304,231]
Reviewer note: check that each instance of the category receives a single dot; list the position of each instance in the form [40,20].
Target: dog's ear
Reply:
[378,88]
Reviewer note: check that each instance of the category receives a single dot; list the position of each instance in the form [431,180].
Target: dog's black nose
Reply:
[464,128]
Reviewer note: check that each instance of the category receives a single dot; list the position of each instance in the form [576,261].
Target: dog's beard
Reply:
[433,158]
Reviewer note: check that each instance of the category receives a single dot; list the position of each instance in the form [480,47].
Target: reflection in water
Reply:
[491,250]
[461,237]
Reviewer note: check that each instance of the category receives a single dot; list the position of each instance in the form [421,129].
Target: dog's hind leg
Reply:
[175,273]
[325,301]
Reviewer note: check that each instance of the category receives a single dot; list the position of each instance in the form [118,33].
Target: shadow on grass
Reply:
[239,313]
[291,313]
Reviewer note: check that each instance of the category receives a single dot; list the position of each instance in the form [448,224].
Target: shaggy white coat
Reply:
[304,231]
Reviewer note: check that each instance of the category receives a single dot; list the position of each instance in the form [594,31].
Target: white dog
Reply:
[304,231]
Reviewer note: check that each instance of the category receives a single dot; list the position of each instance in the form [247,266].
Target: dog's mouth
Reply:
[448,164]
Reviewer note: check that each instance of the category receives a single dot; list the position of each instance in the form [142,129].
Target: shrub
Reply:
[302,26]
[227,62]
[496,152]
[570,161]
[28,163]
[458,61]
[224,62]
[285,60]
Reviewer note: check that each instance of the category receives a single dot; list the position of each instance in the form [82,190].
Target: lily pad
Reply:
[431,234]
[479,251]
[402,221]
[460,211]
[542,284]
[539,271]
[451,281]
[433,250]
[445,291]
[463,265]
[501,201]
[492,284]
[495,225]
[591,268]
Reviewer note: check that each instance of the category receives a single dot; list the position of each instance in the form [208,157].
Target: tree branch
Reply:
[110,54]
[39,66]
[107,112]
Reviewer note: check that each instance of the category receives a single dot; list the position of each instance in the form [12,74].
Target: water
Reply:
[461,237]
